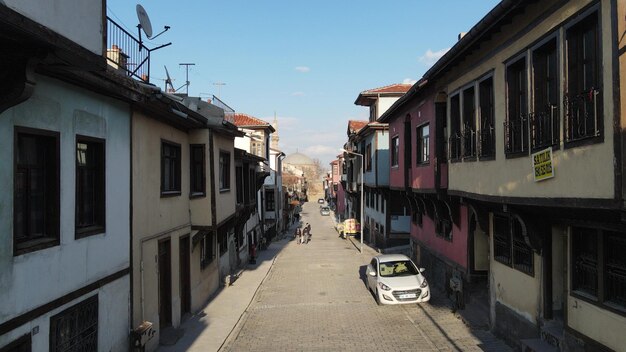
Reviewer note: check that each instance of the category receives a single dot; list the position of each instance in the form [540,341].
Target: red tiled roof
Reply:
[392,88]
[355,125]
[244,120]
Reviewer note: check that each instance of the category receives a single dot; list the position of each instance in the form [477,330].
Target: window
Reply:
[510,247]
[269,200]
[455,128]
[487,146]
[36,190]
[599,267]
[423,144]
[468,136]
[224,171]
[170,168]
[76,328]
[90,192]
[544,120]
[22,344]
[252,188]
[206,250]
[583,115]
[223,239]
[368,157]
[257,149]
[516,126]
[198,170]
[443,227]
[395,150]
[239,179]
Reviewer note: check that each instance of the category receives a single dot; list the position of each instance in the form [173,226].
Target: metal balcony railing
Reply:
[229,113]
[544,127]
[127,54]
[582,115]
[487,145]
[454,144]
[468,139]
[516,135]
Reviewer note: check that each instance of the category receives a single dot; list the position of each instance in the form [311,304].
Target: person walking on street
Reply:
[298,235]
[308,232]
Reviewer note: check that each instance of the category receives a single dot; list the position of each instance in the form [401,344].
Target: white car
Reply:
[394,279]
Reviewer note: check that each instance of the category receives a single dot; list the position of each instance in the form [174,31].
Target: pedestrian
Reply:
[305,233]
[298,235]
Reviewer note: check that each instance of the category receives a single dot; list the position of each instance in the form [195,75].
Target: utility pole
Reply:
[219,88]
[186,75]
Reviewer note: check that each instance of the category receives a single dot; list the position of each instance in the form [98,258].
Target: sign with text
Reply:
[543,168]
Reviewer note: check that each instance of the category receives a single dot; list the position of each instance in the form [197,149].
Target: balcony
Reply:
[454,144]
[229,113]
[583,115]
[126,54]
[487,141]
[516,135]
[468,139]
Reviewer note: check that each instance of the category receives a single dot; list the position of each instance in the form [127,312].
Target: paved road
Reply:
[314,299]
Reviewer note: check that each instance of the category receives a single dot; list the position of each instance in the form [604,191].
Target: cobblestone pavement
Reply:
[314,299]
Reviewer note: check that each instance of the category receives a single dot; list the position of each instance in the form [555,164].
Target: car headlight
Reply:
[424,283]
[384,287]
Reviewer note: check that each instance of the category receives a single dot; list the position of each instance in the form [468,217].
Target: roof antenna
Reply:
[186,76]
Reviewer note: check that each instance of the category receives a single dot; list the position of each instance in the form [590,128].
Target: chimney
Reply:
[461,35]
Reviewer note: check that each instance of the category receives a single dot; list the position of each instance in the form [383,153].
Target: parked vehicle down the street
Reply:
[325,211]
[321,200]
[394,279]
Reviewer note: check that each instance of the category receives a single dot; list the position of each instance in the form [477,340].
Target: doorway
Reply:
[185,277]
[165,283]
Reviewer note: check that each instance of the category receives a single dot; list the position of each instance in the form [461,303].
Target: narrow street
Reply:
[314,299]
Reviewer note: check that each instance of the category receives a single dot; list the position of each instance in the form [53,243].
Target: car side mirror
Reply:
[422,270]
[372,273]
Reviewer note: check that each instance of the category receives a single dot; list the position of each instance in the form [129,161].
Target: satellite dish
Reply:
[144,21]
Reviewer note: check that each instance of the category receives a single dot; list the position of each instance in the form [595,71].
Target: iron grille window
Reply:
[206,250]
[269,200]
[516,126]
[36,190]
[510,247]
[615,268]
[198,170]
[224,171]
[544,120]
[468,136]
[443,228]
[423,144]
[487,118]
[239,181]
[583,108]
[598,257]
[455,128]
[522,253]
[90,193]
[76,328]
[170,168]
[395,150]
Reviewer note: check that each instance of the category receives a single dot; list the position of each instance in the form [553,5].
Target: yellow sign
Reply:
[542,165]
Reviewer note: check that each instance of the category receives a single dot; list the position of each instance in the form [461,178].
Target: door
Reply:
[165,284]
[185,276]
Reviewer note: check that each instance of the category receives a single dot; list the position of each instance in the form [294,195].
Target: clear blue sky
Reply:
[304,61]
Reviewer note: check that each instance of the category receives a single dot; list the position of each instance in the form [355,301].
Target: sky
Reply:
[303,62]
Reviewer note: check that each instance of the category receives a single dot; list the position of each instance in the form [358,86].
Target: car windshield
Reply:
[325,209]
[397,268]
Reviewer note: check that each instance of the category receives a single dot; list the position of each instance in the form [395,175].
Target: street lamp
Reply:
[362,190]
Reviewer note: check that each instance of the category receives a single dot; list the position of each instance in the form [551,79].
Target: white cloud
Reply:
[297,94]
[430,57]
[409,81]
[303,69]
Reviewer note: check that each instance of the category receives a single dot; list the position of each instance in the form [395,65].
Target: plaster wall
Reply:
[201,206]
[35,278]
[81,21]
[591,165]
[381,155]
[384,103]
[455,250]
[224,199]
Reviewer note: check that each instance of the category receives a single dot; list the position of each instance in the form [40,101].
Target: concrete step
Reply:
[537,345]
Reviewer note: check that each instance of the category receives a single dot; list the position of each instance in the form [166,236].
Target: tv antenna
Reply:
[146,26]
[219,88]
[186,77]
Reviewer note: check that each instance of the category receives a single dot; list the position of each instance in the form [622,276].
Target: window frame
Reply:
[454,139]
[395,151]
[551,43]
[99,225]
[93,302]
[512,245]
[422,154]
[52,203]
[602,267]
[521,102]
[468,123]
[207,250]
[193,169]
[487,119]
[268,201]
[572,26]
[368,157]
[174,190]
[224,171]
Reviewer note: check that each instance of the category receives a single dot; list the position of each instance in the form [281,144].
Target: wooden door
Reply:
[165,284]
[185,276]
